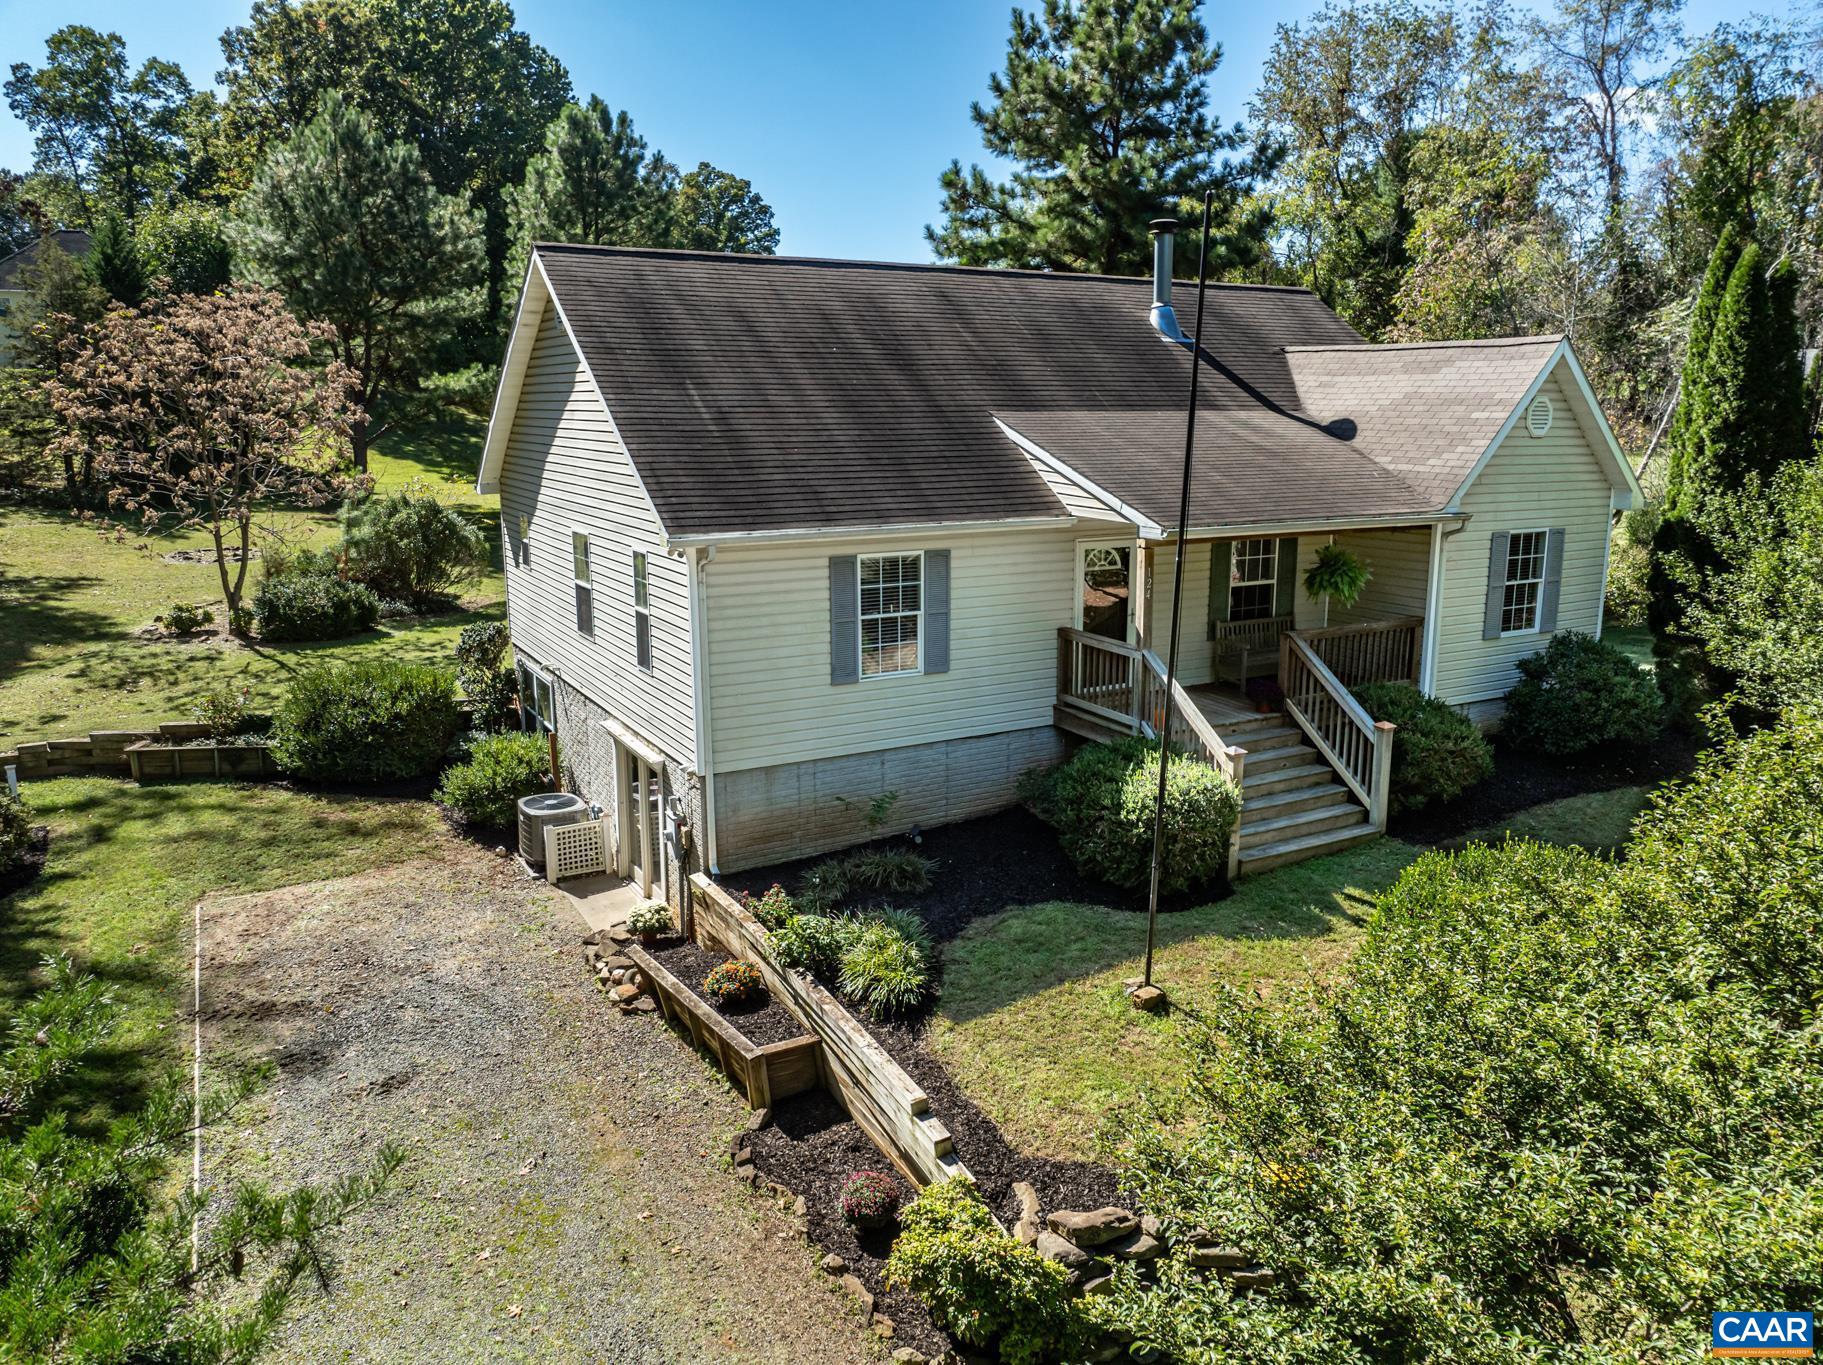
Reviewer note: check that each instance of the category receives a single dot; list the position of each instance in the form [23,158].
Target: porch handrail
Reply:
[1370,651]
[1357,746]
[1125,685]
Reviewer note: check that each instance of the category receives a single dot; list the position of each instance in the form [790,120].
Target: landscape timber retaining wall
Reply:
[100,751]
[165,762]
[889,1105]
[763,1073]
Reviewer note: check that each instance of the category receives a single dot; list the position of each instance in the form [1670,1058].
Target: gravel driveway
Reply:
[566,1194]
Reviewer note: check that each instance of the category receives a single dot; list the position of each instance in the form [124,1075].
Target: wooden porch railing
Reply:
[1125,686]
[1371,651]
[1358,747]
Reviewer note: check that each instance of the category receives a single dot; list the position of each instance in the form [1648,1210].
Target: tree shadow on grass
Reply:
[36,610]
[1272,924]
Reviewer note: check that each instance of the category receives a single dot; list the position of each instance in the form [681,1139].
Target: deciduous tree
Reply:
[200,409]
[714,210]
[107,138]
[1104,109]
[348,227]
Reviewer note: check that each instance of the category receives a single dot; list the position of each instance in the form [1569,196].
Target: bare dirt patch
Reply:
[566,1193]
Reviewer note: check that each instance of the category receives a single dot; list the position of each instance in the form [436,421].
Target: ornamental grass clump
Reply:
[870,1199]
[886,963]
[1102,803]
[984,1288]
[735,985]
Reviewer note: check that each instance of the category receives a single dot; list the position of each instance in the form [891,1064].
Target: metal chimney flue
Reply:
[1164,237]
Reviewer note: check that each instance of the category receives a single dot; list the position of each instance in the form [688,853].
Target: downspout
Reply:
[1433,606]
[696,567]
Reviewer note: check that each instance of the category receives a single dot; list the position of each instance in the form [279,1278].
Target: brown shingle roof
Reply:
[1425,411]
[762,393]
[73,241]
[759,393]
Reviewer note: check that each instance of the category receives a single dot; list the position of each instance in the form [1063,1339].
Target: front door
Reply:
[1104,590]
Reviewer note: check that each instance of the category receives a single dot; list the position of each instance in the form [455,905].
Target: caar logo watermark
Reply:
[1762,1334]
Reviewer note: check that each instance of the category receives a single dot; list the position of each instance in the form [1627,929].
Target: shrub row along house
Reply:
[784,537]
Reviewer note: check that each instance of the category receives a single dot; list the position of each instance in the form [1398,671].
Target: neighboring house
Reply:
[13,270]
[783,536]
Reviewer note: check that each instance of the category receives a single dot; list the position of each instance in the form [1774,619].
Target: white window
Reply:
[892,614]
[1523,592]
[1253,578]
[585,592]
[537,708]
[642,613]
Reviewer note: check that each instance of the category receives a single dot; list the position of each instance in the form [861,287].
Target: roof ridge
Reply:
[930,267]
[1539,340]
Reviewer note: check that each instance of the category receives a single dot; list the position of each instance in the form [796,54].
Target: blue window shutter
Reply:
[936,611]
[1553,580]
[1221,563]
[1497,585]
[844,619]
[1285,591]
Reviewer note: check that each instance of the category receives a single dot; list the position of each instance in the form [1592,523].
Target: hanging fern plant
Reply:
[1337,575]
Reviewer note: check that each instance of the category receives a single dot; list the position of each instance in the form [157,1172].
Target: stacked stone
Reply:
[1089,1243]
[616,973]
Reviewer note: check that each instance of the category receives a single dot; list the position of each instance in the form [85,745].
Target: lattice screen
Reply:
[575,850]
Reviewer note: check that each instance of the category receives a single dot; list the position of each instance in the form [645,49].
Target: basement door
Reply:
[639,801]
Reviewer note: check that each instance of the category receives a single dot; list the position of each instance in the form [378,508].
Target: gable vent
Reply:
[1538,415]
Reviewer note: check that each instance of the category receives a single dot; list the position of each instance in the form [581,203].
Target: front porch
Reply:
[1264,675]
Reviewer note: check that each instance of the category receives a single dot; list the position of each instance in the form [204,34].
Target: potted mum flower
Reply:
[870,1199]
[650,920]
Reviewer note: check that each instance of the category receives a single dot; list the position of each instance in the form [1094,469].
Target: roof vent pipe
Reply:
[1164,236]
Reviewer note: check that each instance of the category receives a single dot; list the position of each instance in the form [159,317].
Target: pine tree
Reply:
[593,183]
[114,263]
[1685,419]
[348,227]
[1104,107]
[1751,418]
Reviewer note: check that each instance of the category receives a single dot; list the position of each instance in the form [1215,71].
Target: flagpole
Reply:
[1152,999]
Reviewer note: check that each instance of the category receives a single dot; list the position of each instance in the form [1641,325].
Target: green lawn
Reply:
[1633,641]
[1034,1022]
[72,602]
[128,863]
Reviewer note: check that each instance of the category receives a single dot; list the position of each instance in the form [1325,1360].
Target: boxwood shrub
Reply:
[484,791]
[1578,693]
[984,1288]
[375,721]
[1102,802]
[313,606]
[1438,753]
[15,833]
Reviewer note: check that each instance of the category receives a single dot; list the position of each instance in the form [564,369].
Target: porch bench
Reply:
[1247,649]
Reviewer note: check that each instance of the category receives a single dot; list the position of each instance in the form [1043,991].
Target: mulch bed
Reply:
[1524,778]
[811,1147]
[24,872]
[769,1022]
[983,867]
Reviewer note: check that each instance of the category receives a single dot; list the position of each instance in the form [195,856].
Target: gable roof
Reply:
[73,242]
[764,394]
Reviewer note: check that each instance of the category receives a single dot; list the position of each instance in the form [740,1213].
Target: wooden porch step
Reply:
[1274,804]
[1265,857]
[1280,757]
[1265,737]
[1314,820]
[1283,779]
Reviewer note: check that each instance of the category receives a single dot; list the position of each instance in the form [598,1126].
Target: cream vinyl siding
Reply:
[1401,565]
[565,468]
[1196,657]
[1532,483]
[770,697]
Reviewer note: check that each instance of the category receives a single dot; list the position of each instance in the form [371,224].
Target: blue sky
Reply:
[842,114]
